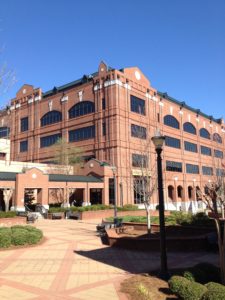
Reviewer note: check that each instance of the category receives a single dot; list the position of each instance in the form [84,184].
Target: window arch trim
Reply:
[204,133]
[217,138]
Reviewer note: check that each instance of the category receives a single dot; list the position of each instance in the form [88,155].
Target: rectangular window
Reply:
[192,169]
[173,166]
[172,142]
[138,131]
[24,124]
[103,103]
[47,141]
[111,191]
[220,172]
[103,128]
[218,153]
[206,150]
[81,134]
[190,147]
[139,161]
[23,146]
[137,105]
[207,170]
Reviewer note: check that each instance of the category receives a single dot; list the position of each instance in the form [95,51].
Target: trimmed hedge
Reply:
[186,289]
[96,207]
[215,291]
[19,235]
[7,214]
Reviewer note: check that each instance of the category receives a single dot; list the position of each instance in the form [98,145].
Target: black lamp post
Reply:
[158,141]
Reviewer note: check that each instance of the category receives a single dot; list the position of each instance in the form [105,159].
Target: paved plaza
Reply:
[72,263]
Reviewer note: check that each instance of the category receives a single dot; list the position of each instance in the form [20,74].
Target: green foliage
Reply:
[188,275]
[127,207]
[186,289]
[7,214]
[19,235]
[177,284]
[56,209]
[5,237]
[214,286]
[215,291]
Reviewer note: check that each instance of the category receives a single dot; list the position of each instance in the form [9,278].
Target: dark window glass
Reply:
[139,184]
[158,117]
[207,170]
[81,109]
[104,128]
[190,128]
[139,161]
[103,103]
[218,153]
[81,134]
[23,146]
[4,132]
[204,133]
[220,172]
[172,142]
[138,131]
[206,150]
[111,191]
[173,166]
[137,105]
[217,138]
[190,147]
[51,118]
[192,169]
[47,141]
[24,124]
[171,121]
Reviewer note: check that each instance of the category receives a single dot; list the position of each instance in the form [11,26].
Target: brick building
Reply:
[112,114]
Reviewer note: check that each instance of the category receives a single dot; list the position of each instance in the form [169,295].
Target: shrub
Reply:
[19,237]
[188,275]
[57,209]
[205,272]
[214,286]
[5,237]
[213,295]
[194,291]
[177,284]
[7,214]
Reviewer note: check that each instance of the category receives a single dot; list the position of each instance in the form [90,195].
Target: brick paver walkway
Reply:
[73,264]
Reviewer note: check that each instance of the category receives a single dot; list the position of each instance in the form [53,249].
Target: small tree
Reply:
[144,181]
[214,198]
[66,157]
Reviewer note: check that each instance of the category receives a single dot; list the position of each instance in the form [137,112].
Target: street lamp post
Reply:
[158,141]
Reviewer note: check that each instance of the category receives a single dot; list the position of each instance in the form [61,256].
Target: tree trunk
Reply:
[221,245]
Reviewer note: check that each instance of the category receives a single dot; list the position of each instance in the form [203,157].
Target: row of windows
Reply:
[171,121]
[139,161]
[82,134]
[175,166]
[191,147]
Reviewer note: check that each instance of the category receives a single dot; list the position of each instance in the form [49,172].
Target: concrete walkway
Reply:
[73,264]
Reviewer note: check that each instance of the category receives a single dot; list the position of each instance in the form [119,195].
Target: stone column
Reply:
[7,194]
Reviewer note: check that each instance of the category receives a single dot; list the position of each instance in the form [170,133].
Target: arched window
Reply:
[204,133]
[190,128]
[190,192]
[4,132]
[171,121]
[171,192]
[81,109]
[51,118]
[180,191]
[217,138]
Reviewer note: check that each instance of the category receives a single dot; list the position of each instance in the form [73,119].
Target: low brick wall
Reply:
[174,243]
[102,214]
[13,221]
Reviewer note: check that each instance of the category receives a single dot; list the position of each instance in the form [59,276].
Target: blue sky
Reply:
[179,45]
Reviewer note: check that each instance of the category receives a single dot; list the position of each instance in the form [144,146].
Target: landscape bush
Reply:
[215,291]
[205,272]
[177,284]
[7,214]
[19,235]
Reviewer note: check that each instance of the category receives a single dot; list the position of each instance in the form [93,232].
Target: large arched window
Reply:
[81,108]
[51,118]
[204,133]
[4,132]
[217,138]
[190,128]
[171,121]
